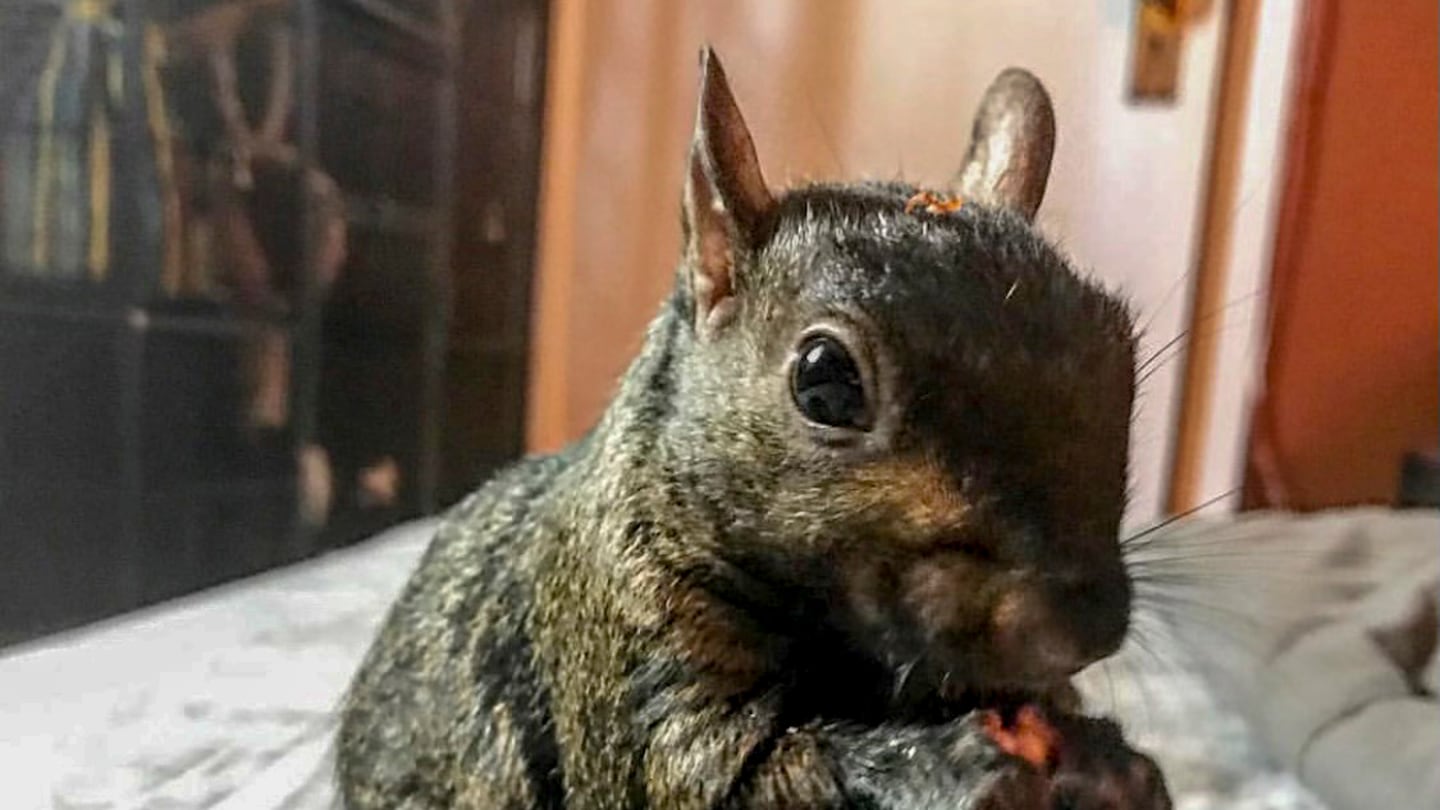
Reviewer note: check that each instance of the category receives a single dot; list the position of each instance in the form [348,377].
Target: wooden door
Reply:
[1351,381]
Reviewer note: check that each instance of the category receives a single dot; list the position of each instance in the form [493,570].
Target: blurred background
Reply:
[264,282]
[278,274]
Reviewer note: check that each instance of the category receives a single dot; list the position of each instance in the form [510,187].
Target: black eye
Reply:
[825,384]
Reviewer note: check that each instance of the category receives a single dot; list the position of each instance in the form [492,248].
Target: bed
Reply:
[228,699]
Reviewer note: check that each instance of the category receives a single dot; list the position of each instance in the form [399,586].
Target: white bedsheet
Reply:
[226,700]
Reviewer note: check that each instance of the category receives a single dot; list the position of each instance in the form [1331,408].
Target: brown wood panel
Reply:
[500,97]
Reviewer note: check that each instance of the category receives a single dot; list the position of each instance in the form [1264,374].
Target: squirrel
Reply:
[852,511]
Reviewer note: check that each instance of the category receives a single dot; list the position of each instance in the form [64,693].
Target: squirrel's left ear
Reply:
[728,208]
[1011,143]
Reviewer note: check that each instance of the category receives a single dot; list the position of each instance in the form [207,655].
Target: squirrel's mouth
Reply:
[923,695]
[1007,702]
[1004,704]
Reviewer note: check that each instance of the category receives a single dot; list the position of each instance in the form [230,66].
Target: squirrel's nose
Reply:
[1095,611]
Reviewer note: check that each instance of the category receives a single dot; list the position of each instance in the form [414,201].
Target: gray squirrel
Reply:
[840,540]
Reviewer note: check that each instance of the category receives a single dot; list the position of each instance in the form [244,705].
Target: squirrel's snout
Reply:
[1059,627]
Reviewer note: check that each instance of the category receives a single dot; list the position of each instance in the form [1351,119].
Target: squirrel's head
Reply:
[915,415]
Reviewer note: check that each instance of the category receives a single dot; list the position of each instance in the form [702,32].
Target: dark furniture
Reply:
[128,470]
[1419,481]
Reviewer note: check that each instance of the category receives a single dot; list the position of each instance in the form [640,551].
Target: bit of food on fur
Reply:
[933,203]
[1028,735]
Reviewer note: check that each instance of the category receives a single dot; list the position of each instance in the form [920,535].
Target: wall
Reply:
[1351,378]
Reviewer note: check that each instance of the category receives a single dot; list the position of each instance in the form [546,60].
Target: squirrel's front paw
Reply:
[1085,762]
[1098,771]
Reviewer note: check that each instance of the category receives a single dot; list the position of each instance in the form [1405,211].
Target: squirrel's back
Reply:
[448,699]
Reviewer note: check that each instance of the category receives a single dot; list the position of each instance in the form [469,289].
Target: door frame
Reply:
[1229,311]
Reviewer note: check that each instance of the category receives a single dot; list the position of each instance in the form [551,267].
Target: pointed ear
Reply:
[728,208]
[1013,139]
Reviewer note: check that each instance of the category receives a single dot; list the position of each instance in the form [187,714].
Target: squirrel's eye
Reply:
[825,384]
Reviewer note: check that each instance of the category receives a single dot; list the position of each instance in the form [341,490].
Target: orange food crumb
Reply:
[1029,737]
[933,203]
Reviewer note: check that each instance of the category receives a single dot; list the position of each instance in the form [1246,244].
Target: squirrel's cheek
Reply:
[945,594]
[940,595]
[868,590]
[919,500]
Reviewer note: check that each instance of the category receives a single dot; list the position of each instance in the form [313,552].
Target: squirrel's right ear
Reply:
[728,208]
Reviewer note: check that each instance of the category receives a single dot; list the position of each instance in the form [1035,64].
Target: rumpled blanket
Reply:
[1328,644]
